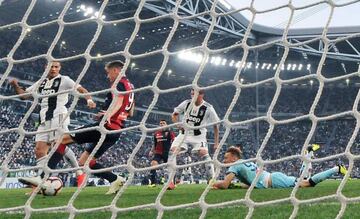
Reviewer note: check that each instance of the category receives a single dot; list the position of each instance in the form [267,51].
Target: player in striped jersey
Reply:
[198,114]
[52,115]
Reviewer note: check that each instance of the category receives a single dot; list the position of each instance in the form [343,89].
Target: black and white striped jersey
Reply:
[197,115]
[53,105]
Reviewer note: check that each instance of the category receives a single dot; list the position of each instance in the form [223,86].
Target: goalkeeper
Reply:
[246,173]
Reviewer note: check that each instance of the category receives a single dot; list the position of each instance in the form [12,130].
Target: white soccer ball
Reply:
[53,186]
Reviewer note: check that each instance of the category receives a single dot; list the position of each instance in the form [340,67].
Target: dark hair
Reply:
[234,151]
[114,64]
[201,91]
[163,120]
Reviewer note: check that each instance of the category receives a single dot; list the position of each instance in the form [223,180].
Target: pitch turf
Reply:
[138,195]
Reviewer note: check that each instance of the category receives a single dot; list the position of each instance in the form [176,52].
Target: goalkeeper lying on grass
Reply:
[246,173]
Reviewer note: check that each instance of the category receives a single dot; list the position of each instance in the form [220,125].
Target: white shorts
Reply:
[197,142]
[54,123]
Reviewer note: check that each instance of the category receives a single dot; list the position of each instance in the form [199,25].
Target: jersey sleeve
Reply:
[212,116]
[120,86]
[69,83]
[181,108]
[235,169]
[32,87]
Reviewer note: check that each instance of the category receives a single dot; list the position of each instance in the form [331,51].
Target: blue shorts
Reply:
[280,180]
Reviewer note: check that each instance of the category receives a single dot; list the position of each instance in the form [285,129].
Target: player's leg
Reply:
[190,175]
[280,180]
[319,177]
[70,157]
[178,146]
[53,136]
[41,150]
[306,166]
[153,175]
[93,136]
[202,151]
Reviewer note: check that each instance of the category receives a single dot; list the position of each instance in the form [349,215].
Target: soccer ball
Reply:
[53,186]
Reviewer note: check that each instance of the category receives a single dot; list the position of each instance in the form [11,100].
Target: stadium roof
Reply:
[310,20]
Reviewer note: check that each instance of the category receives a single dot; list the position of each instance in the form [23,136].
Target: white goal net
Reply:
[199,39]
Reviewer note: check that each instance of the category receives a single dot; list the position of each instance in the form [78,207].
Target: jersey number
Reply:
[131,101]
[252,166]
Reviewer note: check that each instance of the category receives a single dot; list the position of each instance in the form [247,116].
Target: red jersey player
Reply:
[160,151]
[122,108]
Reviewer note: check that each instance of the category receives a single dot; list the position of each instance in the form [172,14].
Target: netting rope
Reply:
[158,205]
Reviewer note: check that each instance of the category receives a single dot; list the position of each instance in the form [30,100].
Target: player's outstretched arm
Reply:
[90,103]
[224,184]
[19,90]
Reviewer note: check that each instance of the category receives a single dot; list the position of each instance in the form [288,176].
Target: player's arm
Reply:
[118,101]
[90,103]
[177,111]
[216,136]
[132,110]
[243,185]
[19,90]
[224,184]
[175,117]
[151,152]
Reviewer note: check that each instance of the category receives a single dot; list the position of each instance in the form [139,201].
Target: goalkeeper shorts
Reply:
[280,180]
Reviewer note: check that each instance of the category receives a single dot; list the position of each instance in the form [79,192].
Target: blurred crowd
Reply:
[285,139]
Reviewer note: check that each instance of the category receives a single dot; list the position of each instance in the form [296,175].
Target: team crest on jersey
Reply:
[56,83]
[201,113]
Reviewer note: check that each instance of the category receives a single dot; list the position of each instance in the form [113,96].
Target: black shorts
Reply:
[92,137]
[160,157]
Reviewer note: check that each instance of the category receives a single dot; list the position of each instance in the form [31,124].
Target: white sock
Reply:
[40,162]
[70,157]
[210,171]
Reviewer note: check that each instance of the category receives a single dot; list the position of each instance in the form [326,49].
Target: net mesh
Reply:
[236,81]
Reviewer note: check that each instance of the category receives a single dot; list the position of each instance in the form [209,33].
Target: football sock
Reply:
[306,166]
[71,158]
[108,175]
[41,162]
[153,176]
[209,166]
[323,175]
[172,159]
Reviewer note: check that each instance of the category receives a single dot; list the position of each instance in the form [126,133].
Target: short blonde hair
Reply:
[234,151]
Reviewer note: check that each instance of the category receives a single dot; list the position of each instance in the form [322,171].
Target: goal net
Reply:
[277,89]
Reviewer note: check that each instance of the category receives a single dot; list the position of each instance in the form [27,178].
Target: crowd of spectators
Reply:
[285,140]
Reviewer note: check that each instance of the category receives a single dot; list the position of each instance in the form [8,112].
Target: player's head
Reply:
[162,123]
[232,154]
[55,68]
[200,97]
[113,69]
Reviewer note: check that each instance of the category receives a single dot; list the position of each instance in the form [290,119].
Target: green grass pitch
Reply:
[92,197]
